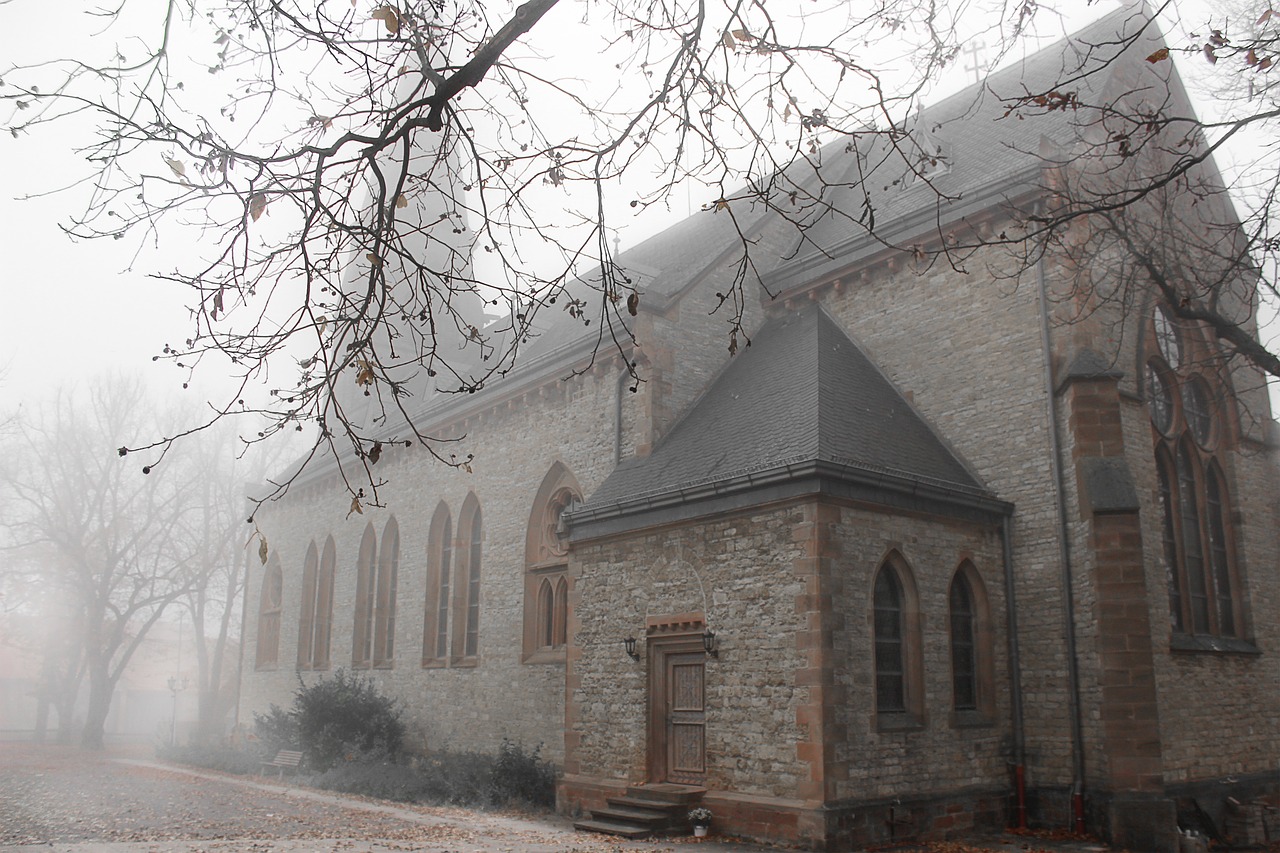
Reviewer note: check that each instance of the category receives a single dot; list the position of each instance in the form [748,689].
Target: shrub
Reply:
[276,730]
[522,777]
[513,777]
[345,715]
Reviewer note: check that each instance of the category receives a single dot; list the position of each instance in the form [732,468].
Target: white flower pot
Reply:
[699,832]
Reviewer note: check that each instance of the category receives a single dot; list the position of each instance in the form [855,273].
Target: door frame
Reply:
[681,638]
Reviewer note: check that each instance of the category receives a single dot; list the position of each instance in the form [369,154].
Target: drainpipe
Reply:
[1064,557]
[1015,679]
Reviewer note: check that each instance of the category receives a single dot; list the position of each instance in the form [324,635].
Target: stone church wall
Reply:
[448,707]
[967,349]
[945,751]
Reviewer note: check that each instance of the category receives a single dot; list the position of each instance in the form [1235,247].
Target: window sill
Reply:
[1179,642]
[434,663]
[546,656]
[314,667]
[897,722]
[465,663]
[266,667]
[385,664]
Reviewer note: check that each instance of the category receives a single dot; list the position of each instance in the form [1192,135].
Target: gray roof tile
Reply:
[802,392]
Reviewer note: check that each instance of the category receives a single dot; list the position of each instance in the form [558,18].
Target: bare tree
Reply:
[103,542]
[370,180]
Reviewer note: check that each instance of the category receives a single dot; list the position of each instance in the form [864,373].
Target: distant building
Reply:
[843,554]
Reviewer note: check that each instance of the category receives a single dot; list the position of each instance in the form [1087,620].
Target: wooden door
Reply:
[686,718]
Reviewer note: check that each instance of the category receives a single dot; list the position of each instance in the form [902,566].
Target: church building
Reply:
[949,542]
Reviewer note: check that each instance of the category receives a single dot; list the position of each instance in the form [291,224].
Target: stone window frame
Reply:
[981,633]
[1198,541]
[315,620]
[435,621]
[270,609]
[467,585]
[546,579]
[366,597]
[910,713]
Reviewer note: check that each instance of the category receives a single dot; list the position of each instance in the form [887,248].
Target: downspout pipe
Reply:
[1015,679]
[1064,557]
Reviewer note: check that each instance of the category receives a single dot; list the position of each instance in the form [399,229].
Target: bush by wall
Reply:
[334,718]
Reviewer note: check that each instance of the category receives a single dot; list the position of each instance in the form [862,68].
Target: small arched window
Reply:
[896,646]
[964,663]
[269,606]
[970,633]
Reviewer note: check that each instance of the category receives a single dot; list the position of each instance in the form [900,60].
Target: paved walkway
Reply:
[62,800]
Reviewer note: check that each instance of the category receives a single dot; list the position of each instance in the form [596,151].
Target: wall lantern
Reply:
[709,643]
[630,643]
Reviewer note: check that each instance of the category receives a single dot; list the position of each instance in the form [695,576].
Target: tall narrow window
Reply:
[307,614]
[269,605]
[435,622]
[466,612]
[896,648]
[1186,398]
[891,694]
[384,629]
[972,652]
[472,645]
[964,665]
[322,629]
[366,596]
[546,586]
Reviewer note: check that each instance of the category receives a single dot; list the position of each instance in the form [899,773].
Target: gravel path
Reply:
[62,800]
[55,798]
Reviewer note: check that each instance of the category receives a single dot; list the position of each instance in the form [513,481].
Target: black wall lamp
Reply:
[630,643]
[709,643]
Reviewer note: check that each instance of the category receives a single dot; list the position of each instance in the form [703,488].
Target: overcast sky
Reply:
[73,309]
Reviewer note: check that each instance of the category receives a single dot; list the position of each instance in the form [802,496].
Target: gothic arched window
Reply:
[269,607]
[1186,402]
[899,680]
[435,623]
[546,587]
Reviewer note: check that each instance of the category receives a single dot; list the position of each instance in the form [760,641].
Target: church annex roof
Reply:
[802,395]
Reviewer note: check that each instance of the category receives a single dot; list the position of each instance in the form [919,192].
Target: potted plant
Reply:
[701,819]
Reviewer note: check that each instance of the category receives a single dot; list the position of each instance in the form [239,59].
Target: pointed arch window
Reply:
[435,623]
[270,602]
[466,610]
[366,596]
[384,611]
[896,652]
[1187,401]
[317,608]
[546,587]
[972,651]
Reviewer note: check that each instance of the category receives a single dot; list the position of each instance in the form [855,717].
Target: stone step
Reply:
[633,810]
[610,827]
[666,792]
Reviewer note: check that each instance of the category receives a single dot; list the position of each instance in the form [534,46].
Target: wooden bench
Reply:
[290,758]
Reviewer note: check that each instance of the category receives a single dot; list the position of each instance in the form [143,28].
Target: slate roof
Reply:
[989,158]
[803,392]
